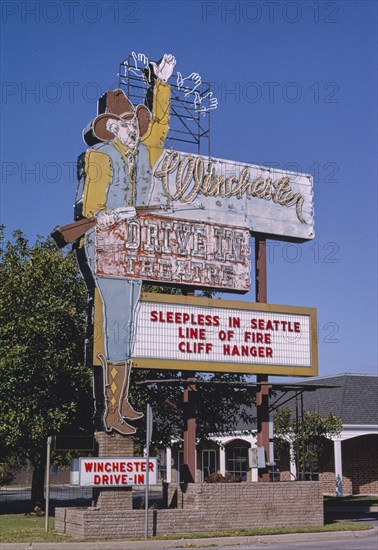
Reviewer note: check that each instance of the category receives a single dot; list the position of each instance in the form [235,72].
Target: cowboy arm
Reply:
[159,125]
[160,92]
[94,172]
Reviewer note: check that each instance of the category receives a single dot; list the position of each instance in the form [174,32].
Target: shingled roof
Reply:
[355,401]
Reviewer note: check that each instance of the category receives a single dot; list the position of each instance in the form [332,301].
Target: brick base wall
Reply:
[205,507]
[114,445]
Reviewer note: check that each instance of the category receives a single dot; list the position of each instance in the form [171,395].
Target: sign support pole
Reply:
[262,395]
[48,456]
[147,488]
[190,430]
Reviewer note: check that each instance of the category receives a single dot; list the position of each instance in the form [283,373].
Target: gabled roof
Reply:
[355,401]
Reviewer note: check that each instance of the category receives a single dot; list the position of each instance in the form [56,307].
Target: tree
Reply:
[307,436]
[44,386]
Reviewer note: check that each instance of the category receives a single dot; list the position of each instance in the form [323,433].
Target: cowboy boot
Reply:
[126,409]
[113,384]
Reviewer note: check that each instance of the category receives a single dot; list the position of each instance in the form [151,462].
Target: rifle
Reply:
[71,232]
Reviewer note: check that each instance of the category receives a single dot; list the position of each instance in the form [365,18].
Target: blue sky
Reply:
[296,84]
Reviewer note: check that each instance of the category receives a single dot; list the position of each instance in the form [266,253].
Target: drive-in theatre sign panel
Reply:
[188,333]
[173,251]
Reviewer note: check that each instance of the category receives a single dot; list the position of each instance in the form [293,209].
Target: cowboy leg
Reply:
[126,409]
[114,381]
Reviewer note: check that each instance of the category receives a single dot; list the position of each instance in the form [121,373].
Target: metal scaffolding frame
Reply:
[187,124]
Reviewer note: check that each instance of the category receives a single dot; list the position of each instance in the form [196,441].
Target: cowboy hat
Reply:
[114,105]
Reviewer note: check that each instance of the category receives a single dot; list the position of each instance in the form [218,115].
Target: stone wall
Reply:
[204,507]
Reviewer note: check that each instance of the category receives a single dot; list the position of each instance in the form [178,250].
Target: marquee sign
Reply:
[264,200]
[181,333]
[173,251]
[116,472]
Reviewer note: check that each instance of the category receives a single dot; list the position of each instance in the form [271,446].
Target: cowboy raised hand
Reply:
[163,69]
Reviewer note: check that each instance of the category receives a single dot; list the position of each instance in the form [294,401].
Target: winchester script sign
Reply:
[264,200]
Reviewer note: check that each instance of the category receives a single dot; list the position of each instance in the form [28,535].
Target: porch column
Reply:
[168,462]
[293,466]
[338,467]
[222,460]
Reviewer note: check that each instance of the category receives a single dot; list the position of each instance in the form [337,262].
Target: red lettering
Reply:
[297,327]
[96,479]
[235,351]
[269,352]
[88,466]
[245,351]
[154,316]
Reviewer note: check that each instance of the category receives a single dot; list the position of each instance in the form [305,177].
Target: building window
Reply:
[209,463]
[237,461]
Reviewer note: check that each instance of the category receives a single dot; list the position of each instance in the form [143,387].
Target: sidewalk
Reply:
[180,543]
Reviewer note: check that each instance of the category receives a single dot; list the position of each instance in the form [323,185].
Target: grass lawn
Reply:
[27,528]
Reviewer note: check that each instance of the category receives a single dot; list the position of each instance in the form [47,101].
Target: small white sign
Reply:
[117,472]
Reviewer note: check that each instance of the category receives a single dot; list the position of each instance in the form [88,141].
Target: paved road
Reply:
[366,543]
[313,541]
[16,501]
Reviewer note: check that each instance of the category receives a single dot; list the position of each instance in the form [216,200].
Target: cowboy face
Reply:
[126,130]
